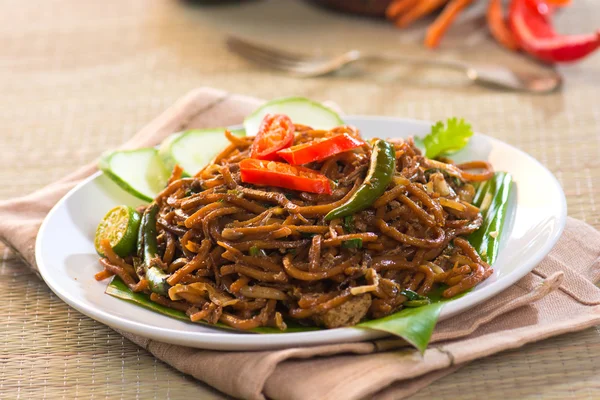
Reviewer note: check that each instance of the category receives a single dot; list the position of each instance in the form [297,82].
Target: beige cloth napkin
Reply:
[559,296]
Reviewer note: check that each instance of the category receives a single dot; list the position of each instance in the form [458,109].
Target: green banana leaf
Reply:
[415,325]
[492,199]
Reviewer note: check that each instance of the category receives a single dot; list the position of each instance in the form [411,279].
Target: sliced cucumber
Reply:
[164,151]
[139,172]
[193,149]
[299,109]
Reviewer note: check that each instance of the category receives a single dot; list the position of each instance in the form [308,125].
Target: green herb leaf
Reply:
[411,294]
[417,303]
[431,171]
[235,192]
[352,244]
[446,139]
[349,223]
[254,251]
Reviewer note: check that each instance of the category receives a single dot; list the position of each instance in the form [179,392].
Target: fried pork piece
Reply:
[347,314]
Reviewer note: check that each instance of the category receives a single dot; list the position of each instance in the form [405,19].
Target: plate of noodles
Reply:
[300,228]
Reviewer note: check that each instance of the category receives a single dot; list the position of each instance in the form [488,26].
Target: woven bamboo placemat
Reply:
[77,78]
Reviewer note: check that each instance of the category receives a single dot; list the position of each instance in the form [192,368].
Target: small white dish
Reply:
[67,260]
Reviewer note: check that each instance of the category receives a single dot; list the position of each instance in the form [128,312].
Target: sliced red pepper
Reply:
[276,132]
[547,7]
[538,19]
[273,173]
[319,150]
[541,6]
[537,37]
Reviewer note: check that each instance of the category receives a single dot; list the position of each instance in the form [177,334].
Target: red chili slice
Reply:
[547,7]
[273,173]
[316,151]
[276,132]
[533,29]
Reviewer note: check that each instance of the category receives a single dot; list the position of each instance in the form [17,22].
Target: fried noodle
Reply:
[251,256]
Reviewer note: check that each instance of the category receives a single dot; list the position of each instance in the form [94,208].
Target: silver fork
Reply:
[305,66]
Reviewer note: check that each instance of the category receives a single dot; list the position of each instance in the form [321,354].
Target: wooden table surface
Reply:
[78,78]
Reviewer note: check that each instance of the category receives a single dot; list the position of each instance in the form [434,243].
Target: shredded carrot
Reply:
[102,275]
[398,7]
[423,8]
[175,174]
[436,31]
[110,254]
[498,26]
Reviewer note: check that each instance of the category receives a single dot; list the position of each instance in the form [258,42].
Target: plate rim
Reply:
[213,340]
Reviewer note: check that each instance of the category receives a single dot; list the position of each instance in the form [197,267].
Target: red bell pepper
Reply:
[276,132]
[535,34]
[319,150]
[273,173]
[547,7]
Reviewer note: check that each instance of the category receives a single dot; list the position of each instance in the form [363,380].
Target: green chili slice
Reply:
[156,277]
[379,176]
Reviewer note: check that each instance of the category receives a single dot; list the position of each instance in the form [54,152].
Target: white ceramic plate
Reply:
[67,260]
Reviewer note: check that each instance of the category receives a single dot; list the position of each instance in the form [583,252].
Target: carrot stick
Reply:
[436,31]
[498,26]
[398,7]
[559,3]
[423,8]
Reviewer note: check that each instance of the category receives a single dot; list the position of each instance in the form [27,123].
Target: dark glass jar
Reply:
[214,2]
